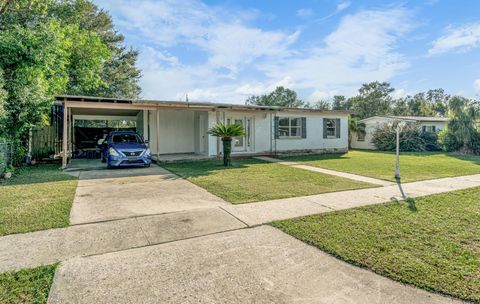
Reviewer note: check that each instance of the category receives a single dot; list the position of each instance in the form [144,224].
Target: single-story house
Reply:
[176,129]
[364,140]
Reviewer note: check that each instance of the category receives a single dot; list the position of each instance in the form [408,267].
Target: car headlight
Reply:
[113,152]
[147,152]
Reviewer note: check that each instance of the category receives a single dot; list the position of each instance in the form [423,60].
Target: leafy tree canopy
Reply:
[50,47]
[373,98]
[280,97]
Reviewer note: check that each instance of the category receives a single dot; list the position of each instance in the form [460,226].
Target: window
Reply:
[126,138]
[360,136]
[290,127]
[331,128]
[429,129]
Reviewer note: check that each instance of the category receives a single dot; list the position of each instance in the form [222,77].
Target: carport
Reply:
[86,120]
[174,130]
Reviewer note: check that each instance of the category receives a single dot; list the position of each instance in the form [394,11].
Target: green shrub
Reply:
[411,139]
[449,141]
[431,141]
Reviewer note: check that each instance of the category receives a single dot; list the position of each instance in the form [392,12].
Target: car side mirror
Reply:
[146,141]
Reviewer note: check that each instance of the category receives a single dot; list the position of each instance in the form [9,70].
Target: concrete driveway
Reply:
[104,194]
[253,265]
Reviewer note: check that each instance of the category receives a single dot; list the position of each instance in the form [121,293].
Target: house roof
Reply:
[411,118]
[169,103]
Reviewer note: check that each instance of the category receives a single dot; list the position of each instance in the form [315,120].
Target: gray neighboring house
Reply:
[364,141]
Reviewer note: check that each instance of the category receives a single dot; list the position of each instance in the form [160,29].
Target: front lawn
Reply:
[432,242]
[26,285]
[36,198]
[251,180]
[413,166]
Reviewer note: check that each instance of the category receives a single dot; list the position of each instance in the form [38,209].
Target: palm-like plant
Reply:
[354,127]
[226,133]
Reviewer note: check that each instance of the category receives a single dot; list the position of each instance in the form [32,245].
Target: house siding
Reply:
[372,124]
[178,132]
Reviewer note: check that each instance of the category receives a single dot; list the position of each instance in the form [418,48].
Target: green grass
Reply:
[413,166]
[36,198]
[26,285]
[251,180]
[432,242]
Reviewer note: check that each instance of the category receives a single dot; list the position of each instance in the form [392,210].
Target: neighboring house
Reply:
[180,128]
[364,141]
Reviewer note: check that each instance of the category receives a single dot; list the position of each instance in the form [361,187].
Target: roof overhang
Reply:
[116,103]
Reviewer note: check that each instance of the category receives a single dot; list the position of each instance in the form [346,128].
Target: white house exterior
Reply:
[430,124]
[180,128]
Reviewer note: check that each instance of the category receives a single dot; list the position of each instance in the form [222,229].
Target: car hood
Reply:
[126,146]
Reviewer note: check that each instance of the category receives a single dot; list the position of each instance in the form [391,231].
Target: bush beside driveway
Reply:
[430,242]
[414,166]
[253,180]
[36,198]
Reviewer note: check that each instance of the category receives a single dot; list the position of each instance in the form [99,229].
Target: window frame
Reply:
[333,120]
[361,136]
[290,127]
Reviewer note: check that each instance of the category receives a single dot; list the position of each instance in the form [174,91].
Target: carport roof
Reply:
[186,104]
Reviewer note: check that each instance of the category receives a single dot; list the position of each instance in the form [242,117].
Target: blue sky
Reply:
[225,51]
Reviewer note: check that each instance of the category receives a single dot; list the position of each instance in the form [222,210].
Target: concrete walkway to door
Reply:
[104,195]
[327,171]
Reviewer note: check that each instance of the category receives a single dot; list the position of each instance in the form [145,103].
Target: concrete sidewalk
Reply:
[255,265]
[356,177]
[29,250]
[263,212]
[45,247]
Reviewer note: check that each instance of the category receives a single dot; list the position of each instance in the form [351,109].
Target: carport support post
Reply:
[65,136]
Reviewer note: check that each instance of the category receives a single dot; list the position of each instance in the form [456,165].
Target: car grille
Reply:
[132,153]
[139,161]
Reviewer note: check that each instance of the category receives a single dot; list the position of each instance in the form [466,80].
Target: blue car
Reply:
[125,149]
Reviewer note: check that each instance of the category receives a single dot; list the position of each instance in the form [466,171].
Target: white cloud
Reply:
[224,36]
[361,49]
[318,95]
[212,53]
[399,93]
[476,85]
[343,5]
[457,39]
[305,13]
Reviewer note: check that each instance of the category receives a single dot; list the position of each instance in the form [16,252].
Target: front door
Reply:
[242,143]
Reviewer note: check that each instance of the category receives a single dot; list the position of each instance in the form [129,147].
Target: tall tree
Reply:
[119,74]
[340,102]
[280,97]
[321,105]
[463,127]
[373,98]
[53,47]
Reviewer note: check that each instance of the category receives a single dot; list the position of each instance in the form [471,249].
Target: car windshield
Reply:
[126,139]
